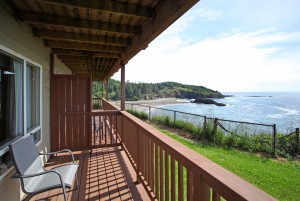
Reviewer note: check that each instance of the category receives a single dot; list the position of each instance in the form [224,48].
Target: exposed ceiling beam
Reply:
[169,11]
[83,46]
[85,53]
[38,18]
[108,6]
[84,63]
[77,37]
[74,57]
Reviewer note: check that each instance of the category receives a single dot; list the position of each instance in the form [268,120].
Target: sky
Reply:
[228,46]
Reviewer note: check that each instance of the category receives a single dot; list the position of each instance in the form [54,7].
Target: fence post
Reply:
[274,140]
[149,112]
[204,128]
[297,140]
[131,107]
[215,128]
[174,118]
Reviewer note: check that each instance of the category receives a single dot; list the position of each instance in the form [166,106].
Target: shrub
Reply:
[96,106]
[139,114]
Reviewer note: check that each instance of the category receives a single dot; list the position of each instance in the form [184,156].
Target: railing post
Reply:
[274,140]
[297,140]
[149,113]
[131,107]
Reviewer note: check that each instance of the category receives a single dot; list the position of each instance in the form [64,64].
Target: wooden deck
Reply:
[103,174]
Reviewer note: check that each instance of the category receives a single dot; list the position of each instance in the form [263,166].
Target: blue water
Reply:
[282,109]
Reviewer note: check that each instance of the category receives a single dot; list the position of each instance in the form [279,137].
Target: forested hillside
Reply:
[147,91]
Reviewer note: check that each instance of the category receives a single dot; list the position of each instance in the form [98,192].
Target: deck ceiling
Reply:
[98,36]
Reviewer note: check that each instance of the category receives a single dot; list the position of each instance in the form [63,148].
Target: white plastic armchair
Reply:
[34,178]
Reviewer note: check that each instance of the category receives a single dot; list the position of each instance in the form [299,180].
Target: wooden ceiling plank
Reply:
[84,53]
[77,37]
[83,46]
[38,18]
[108,6]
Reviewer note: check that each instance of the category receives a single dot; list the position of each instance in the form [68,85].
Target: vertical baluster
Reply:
[215,196]
[189,185]
[156,172]
[180,182]
[151,165]
[161,174]
[173,189]
[167,185]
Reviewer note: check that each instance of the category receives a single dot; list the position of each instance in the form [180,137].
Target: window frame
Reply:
[24,96]
[37,128]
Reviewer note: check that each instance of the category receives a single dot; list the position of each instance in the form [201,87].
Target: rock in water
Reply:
[207,101]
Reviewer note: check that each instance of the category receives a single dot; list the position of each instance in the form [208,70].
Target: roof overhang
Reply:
[98,36]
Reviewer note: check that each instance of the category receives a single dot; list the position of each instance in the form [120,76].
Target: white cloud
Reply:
[237,62]
[182,23]
[209,14]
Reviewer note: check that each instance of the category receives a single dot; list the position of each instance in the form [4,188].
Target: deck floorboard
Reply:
[103,174]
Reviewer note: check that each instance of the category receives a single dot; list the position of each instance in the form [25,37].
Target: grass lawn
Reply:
[280,179]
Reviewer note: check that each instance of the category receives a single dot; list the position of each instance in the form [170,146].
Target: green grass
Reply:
[279,179]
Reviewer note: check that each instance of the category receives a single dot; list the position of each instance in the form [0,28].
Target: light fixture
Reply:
[8,73]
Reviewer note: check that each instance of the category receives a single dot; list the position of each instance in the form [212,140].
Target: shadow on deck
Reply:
[103,174]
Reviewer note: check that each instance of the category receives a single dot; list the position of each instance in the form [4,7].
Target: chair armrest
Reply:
[17,176]
[60,151]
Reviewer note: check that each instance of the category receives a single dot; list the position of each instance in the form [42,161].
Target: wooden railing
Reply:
[170,171]
[105,129]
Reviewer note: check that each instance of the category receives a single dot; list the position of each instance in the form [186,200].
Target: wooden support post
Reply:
[51,98]
[102,89]
[123,87]
[106,83]
[89,138]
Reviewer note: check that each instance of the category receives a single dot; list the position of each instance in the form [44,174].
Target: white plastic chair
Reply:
[34,178]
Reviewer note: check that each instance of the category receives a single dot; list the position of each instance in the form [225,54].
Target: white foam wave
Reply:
[289,111]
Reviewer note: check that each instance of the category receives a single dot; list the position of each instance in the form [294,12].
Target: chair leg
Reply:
[65,194]
[28,197]
[76,180]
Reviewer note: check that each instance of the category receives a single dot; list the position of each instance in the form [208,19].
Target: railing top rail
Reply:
[106,113]
[227,184]
[108,106]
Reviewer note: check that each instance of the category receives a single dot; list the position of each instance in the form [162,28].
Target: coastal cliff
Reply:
[150,91]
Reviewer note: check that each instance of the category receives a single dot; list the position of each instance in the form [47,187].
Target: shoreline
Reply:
[159,102]
[154,103]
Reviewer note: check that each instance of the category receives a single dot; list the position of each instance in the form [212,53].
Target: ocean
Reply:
[282,109]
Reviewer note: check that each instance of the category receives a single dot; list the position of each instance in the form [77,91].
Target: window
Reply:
[32,97]
[20,102]
[11,98]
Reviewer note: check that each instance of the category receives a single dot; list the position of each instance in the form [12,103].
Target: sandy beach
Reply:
[152,103]
[159,102]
